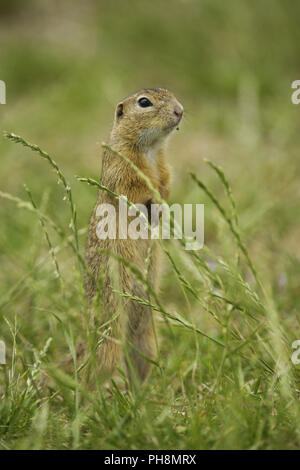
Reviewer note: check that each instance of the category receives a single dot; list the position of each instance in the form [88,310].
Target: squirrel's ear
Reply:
[119,111]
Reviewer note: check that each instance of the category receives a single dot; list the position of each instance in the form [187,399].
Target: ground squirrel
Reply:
[143,121]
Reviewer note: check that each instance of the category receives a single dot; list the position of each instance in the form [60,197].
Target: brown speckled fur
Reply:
[136,132]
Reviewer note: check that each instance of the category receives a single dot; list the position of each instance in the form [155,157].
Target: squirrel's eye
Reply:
[144,102]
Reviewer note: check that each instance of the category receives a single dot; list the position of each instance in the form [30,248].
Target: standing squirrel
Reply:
[143,122]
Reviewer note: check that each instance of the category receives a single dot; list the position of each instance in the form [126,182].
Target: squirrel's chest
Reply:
[151,166]
[151,156]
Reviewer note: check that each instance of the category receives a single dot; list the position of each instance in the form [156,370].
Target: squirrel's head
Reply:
[146,118]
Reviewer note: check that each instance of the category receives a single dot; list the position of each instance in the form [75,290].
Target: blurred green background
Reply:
[66,64]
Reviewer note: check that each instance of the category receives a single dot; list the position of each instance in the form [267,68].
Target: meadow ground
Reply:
[226,315]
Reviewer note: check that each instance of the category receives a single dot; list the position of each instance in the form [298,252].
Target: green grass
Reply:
[226,316]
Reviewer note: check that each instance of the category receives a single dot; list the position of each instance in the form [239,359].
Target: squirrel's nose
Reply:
[178,110]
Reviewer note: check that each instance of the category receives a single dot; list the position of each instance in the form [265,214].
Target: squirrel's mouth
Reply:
[174,125]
